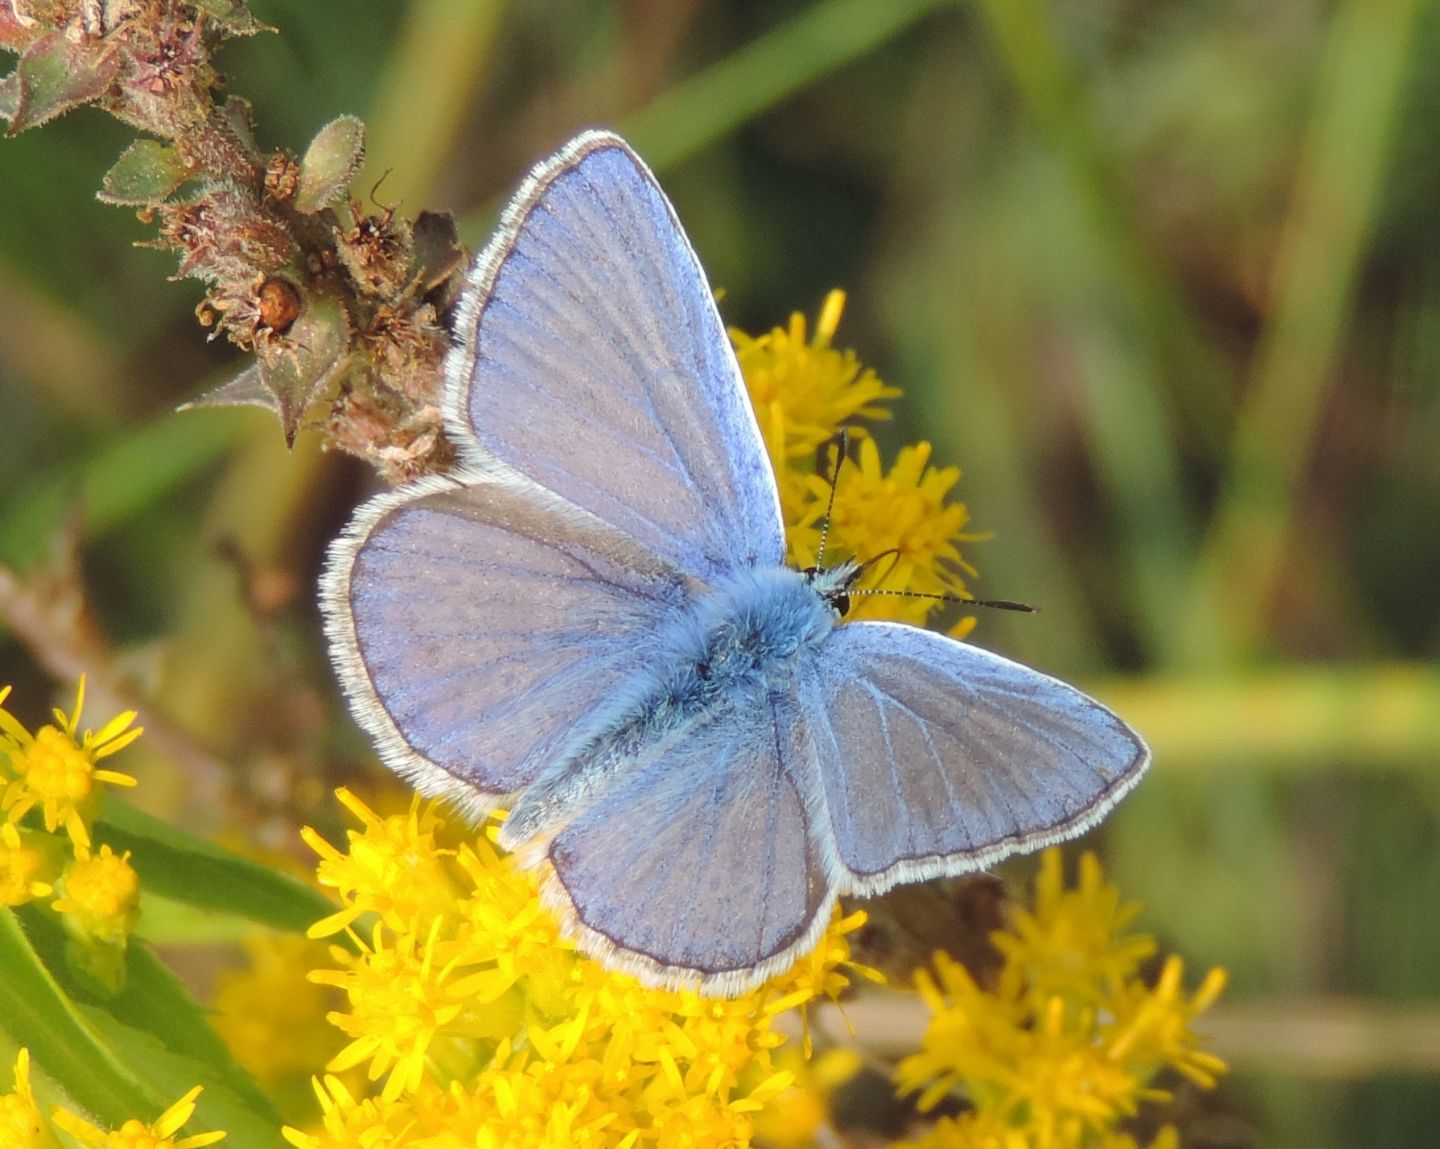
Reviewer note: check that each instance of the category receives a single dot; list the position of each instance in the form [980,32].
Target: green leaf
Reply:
[154,1026]
[233,16]
[246,390]
[171,1075]
[172,923]
[187,869]
[62,1038]
[217,1108]
[297,368]
[145,174]
[57,74]
[155,1001]
[330,163]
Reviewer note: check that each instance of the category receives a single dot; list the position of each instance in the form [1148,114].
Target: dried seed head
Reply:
[282,177]
[377,253]
[225,235]
[279,304]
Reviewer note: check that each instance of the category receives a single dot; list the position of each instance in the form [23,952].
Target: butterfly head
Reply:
[833,584]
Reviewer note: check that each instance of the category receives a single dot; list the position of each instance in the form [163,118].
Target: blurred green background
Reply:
[1163,278]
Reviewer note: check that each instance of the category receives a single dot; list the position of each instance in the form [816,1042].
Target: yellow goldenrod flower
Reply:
[800,1113]
[515,937]
[56,767]
[901,510]
[1152,1026]
[350,1124]
[21,1124]
[971,1040]
[392,868]
[489,1027]
[803,391]
[399,1003]
[1065,1045]
[29,862]
[1071,943]
[135,1134]
[100,895]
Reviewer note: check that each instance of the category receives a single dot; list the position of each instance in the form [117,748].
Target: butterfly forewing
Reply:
[478,623]
[595,362]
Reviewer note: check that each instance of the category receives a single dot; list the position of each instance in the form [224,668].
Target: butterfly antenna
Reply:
[893,552]
[843,438]
[375,191]
[991,603]
[843,435]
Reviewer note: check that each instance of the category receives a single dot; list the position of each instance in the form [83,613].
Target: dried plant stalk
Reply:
[344,310]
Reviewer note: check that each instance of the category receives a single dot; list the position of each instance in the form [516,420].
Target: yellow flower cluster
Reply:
[21,1124]
[272,1018]
[137,1134]
[1067,1043]
[55,775]
[804,392]
[481,1026]
[56,769]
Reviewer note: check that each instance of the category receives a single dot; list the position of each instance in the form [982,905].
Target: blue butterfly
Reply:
[590,622]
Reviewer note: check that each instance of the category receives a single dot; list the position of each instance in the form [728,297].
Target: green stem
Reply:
[1384,716]
[440,60]
[1123,370]
[824,37]
[1356,105]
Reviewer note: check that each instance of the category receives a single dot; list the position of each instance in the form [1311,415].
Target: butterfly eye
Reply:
[834,585]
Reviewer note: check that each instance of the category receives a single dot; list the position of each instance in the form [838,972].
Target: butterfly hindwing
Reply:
[940,758]
[594,361]
[700,865]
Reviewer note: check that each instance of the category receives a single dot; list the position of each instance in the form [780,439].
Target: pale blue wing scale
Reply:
[478,620]
[940,758]
[594,361]
[699,864]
